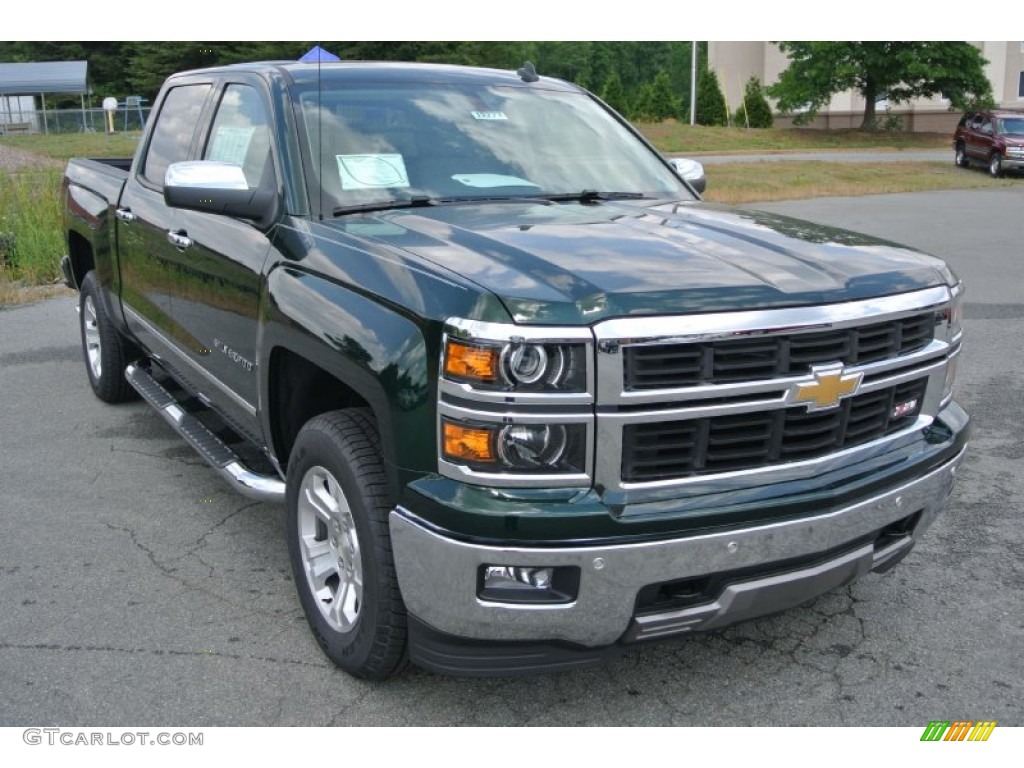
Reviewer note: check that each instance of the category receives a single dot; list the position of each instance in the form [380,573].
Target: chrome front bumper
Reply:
[438,575]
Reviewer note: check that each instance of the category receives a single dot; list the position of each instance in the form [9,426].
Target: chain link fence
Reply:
[92,120]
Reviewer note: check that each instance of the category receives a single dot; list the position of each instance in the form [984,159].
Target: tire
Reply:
[995,165]
[961,157]
[337,506]
[107,353]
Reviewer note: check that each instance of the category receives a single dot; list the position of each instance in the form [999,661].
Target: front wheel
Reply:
[107,352]
[995,165]
[337,506]
[961,156]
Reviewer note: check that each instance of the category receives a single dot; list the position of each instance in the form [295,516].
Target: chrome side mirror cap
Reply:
[689,171]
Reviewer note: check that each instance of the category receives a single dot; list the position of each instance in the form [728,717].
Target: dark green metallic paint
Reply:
[364,297]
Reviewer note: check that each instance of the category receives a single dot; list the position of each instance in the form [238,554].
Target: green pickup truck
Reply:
[527,400]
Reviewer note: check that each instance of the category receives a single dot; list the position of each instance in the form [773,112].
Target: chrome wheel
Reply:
[995,165]
[961,156]
[330,550]
[91,330]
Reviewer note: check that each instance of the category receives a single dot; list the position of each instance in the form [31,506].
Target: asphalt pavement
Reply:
[138,589]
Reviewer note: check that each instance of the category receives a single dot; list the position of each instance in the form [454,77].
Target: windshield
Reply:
[1011,125]
[380,144]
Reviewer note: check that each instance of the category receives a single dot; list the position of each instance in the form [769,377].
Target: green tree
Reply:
[898,71]
[614,95]
[664,102]
[754,112]
[711,107]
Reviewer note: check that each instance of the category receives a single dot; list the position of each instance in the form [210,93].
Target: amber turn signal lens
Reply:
[468,443]
[471,362]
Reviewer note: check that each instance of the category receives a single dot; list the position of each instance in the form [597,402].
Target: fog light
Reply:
[508,577]
[528,584]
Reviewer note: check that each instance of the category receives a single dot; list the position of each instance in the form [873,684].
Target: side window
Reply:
[175,126]
[241,135]
[986,128]
[976,123]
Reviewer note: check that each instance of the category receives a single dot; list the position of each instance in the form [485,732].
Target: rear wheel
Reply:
[107,352]
[961,156]
[340,549]
[995,165]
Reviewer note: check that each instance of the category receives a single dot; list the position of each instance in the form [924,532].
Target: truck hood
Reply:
[579,263]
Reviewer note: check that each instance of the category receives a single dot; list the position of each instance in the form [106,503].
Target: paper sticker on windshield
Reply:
[372,171]
[231,144]
[491,180]
[490,115]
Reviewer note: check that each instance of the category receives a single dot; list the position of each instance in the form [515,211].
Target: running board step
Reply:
[214,450]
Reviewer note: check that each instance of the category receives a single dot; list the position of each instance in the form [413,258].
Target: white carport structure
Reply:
[43,77]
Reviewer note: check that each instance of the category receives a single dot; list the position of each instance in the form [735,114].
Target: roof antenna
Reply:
[528,73]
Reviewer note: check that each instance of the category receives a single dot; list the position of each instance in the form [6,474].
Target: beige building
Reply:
[735,62]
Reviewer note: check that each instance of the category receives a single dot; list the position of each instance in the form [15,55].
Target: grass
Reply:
[763,182]
[674,137]
[61,146]
[31,231]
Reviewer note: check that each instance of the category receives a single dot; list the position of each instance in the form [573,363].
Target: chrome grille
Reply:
[675,449]
[667,366]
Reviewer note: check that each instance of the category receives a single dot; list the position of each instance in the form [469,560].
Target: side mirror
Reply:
[216,187]
[689,171]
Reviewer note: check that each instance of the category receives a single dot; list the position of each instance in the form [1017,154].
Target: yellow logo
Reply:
[830,384]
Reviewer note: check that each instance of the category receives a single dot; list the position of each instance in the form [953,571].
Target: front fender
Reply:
[377,352]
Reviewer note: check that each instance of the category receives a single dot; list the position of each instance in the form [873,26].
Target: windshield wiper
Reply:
[592,196]
[385,205]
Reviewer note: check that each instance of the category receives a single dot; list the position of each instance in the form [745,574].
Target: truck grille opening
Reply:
[671,450]
[669,366]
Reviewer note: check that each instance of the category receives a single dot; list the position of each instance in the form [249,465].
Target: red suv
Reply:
[995,139]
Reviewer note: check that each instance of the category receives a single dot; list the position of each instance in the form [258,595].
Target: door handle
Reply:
[179,240]
[125,215]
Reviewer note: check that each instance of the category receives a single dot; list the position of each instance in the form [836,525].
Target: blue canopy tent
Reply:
[316,53]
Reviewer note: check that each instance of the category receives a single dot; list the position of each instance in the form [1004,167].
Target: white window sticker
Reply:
[491,180]
[372,171]
[231,144]
[490,115]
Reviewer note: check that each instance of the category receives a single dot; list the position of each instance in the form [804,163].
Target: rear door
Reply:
[974,142]
[148,262]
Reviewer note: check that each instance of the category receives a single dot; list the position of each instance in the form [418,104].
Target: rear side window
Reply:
[241,135]
[175,126]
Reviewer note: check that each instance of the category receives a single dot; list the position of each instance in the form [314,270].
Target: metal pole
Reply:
[46,125]
[693,84]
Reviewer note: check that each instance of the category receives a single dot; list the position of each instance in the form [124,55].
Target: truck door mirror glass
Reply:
[213,186]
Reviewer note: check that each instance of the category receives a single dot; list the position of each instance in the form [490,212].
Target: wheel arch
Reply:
[327,347]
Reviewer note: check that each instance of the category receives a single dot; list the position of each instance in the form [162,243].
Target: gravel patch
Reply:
[14,159]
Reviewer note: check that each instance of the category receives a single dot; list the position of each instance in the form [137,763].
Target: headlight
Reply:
[520,448]
[516,366]
[515,405]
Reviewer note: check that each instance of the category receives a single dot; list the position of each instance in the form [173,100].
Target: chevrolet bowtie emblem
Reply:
[829,385]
